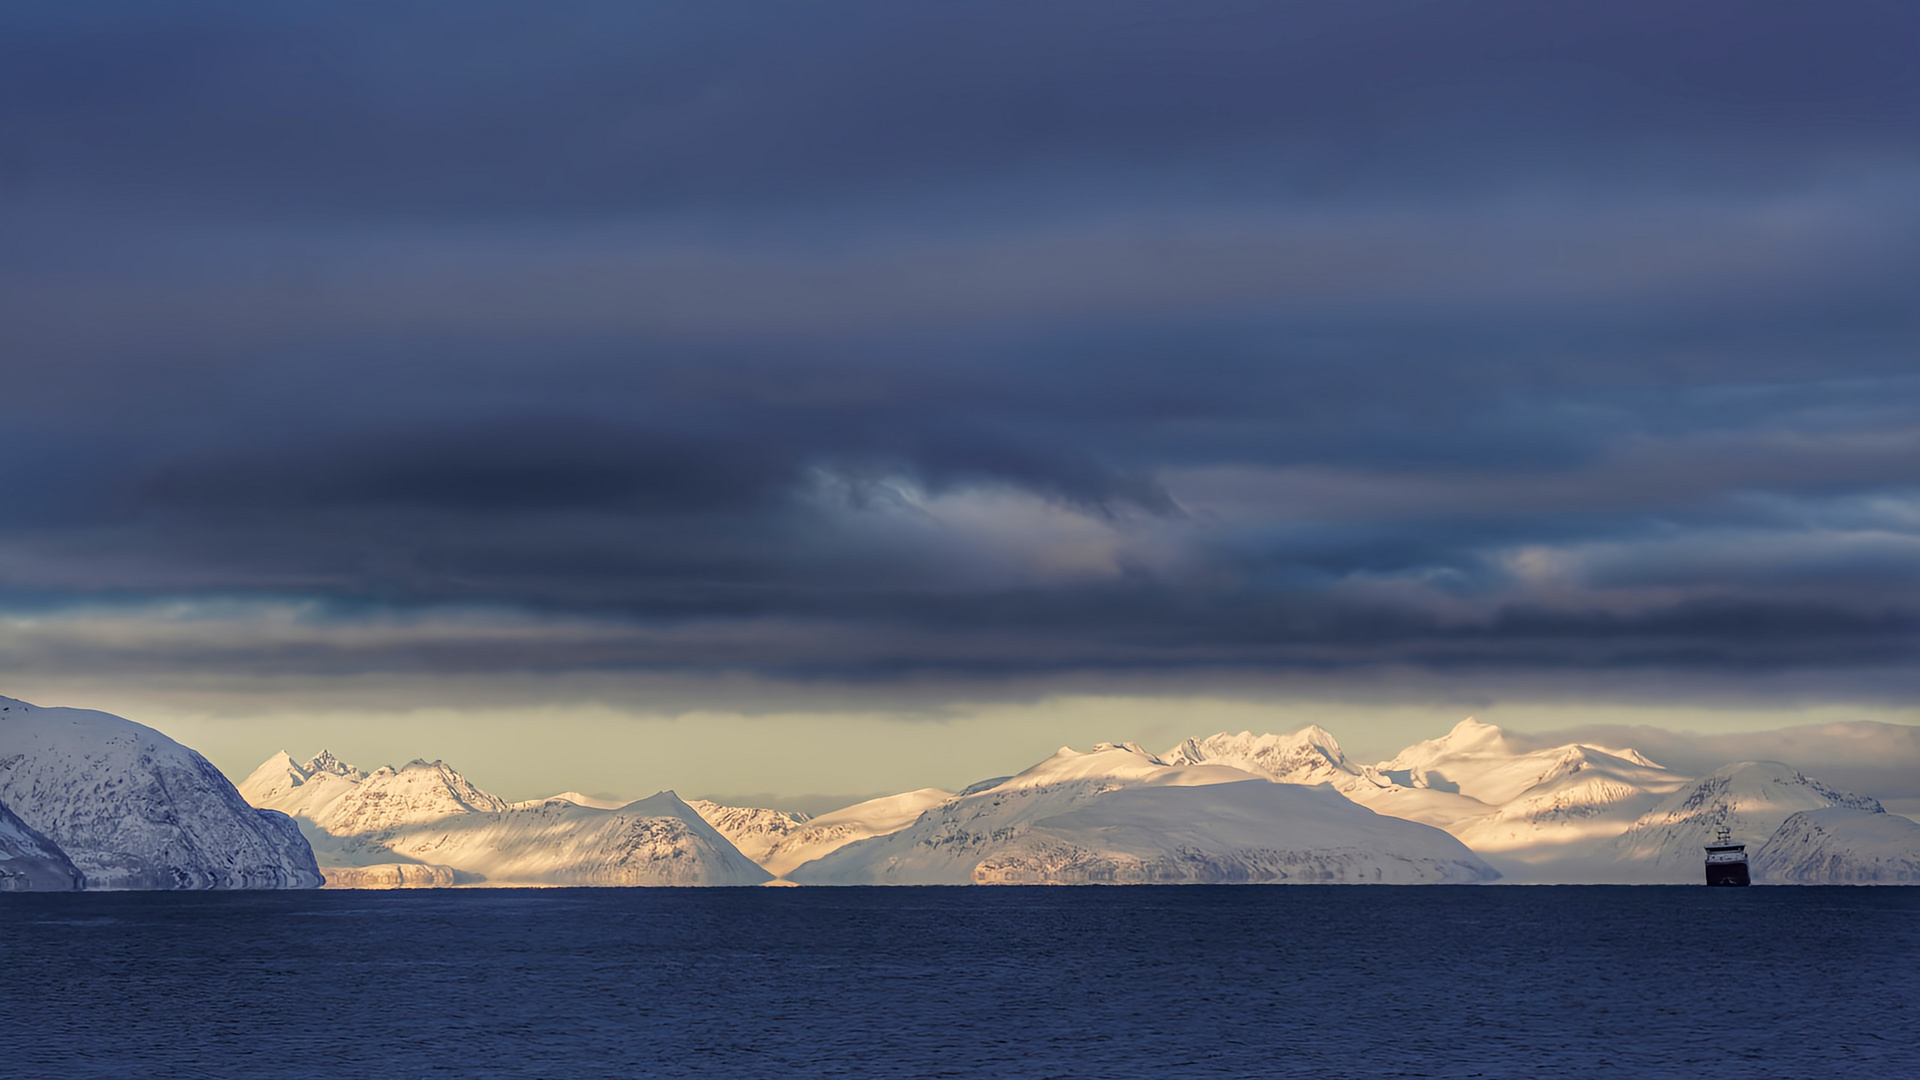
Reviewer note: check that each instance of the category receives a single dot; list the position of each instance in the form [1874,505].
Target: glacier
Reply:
[132,809]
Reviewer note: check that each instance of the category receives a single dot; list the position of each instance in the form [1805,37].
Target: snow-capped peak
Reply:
[1468,737]
[425,815]
[1133,748]
[1310,755]
[1116,761]
[1480,761]
[384,798]
[325,762]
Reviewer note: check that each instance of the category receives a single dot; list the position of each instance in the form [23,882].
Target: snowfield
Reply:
[1841,845]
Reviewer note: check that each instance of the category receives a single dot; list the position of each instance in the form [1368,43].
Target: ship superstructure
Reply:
[1727,860]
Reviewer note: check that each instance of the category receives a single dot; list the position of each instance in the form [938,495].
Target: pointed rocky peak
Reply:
[666,803]
[1188,752]
[469,795]
[325,762]
[275,777]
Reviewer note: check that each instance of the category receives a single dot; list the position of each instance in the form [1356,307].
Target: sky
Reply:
[827,399]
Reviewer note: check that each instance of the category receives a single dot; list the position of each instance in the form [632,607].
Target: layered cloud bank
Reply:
[1041,340]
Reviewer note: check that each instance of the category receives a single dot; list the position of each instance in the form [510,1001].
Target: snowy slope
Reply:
[133,809]
[1582,796]
[780,842]
[1548,814]
[30,862]
[1575,812]
[426,824]
[1841,846]
[1479,761]
[1751,798]
[1312,756]
[1558,803]
[1118,814]
[754,830]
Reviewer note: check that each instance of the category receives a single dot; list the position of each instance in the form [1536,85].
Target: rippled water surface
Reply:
[1038,982]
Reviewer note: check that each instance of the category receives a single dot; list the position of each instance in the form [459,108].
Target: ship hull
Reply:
[1728,874]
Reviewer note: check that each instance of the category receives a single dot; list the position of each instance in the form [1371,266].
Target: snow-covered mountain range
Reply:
[130,808]
[1518,806]
[425,824]
[1578,812]
[1120,815]
[1475,804]
[94,801]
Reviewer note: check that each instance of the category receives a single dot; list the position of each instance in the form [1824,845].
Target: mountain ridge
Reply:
[426,824]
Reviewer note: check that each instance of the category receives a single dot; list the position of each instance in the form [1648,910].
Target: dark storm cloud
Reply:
[886,340]
[478,108]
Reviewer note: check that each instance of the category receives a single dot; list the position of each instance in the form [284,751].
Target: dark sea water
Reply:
[1035,982]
